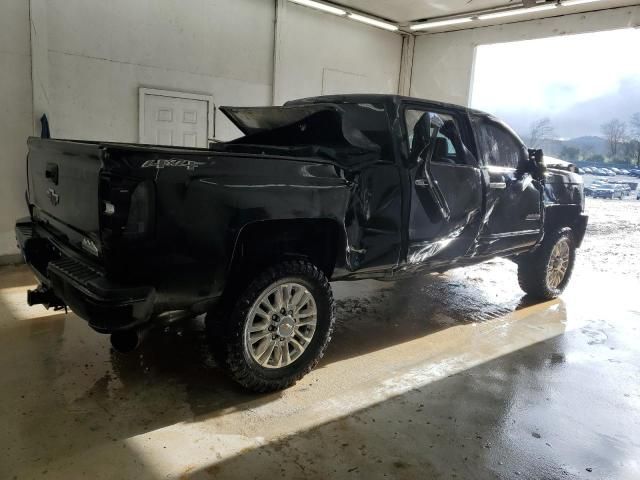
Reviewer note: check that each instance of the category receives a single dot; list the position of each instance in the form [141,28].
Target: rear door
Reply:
[442,228]
[513,212]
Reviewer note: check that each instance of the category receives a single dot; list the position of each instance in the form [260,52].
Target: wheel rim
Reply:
[280,324]
[558,263]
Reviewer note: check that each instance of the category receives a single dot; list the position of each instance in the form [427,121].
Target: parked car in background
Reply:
[622,185]
[586,170]
[588,189]
[607,191]
[624,171]
[635,172]
[615,170]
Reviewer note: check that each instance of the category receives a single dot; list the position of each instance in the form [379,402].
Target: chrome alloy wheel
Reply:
[280,324]
[558,263]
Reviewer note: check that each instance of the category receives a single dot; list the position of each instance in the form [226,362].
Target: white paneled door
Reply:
[173,118]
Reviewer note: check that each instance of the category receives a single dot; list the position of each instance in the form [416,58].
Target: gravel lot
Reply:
[612,242]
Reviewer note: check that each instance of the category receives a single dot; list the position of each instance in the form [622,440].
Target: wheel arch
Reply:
[558,217]
[264,242]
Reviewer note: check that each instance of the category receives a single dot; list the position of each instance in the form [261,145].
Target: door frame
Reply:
[144,91]
[511,240]
[466,136]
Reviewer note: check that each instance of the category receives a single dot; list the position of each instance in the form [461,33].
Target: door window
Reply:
[498,147]
[448,148]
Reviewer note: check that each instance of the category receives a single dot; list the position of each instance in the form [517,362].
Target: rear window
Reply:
[371,119]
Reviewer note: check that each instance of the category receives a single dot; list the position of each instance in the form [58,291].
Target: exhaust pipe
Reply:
[127,341]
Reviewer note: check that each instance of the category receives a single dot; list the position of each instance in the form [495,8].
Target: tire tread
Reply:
[228,349]
[532,268]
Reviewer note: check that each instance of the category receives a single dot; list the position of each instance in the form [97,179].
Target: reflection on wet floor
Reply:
[441,376]
[551,422]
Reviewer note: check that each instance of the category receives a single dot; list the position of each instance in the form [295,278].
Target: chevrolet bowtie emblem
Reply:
[53,196]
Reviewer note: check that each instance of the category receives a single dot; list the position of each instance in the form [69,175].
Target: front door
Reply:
[446,194]
[513,212]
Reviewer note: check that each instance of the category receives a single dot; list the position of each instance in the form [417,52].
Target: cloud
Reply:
[579,81]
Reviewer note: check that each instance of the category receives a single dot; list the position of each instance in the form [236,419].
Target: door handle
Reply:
[51,172]
[498,185]
[420,182]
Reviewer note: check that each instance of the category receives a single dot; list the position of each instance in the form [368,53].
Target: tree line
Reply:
[622,141]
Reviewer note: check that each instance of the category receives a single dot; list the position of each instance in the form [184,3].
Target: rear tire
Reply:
[545,273]
[277,329]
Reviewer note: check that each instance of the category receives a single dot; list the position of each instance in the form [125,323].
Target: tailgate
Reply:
[64,182]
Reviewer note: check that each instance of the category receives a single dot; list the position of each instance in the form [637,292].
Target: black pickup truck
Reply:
[251,231]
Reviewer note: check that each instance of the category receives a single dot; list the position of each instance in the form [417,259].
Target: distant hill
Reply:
[576,120]
[588,145]
[591,144]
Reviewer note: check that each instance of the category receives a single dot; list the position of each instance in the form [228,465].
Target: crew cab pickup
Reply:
[251,231]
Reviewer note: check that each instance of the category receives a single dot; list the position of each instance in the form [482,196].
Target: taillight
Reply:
[140,220]
[127,211]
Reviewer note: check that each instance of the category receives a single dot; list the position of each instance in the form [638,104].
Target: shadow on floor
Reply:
[81,394]
[529,414]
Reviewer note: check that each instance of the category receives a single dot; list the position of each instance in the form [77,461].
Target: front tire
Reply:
[545,273]
[278,328]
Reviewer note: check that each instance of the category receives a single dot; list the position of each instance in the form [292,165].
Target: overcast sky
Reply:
[578,81]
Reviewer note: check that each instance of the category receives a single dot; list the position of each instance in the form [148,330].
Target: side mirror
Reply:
[537,167]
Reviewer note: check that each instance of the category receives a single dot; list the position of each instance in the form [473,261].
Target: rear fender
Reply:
[262,243]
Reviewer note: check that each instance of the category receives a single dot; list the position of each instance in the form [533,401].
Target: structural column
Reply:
[406,64]
[278,60]
[39,62]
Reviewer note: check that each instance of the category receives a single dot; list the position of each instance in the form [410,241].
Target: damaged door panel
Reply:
[513,213]
[446,193]
[250,231]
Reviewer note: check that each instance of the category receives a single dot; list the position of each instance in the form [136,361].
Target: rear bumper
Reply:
[106,305]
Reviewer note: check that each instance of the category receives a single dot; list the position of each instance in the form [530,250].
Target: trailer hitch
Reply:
[44,295]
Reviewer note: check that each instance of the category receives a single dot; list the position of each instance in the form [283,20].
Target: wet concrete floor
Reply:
[444,376]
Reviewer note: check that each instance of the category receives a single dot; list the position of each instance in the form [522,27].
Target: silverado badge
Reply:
[53,196]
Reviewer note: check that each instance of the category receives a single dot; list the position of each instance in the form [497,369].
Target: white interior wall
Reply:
[443,62]
[15,115]
[90,57]
[325,54]
[100,53]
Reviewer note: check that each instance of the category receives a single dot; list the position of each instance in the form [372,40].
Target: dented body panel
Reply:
[168,229]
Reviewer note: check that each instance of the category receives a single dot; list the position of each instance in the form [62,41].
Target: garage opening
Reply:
[577,97]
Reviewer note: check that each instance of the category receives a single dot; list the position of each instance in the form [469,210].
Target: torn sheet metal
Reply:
[421,252]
